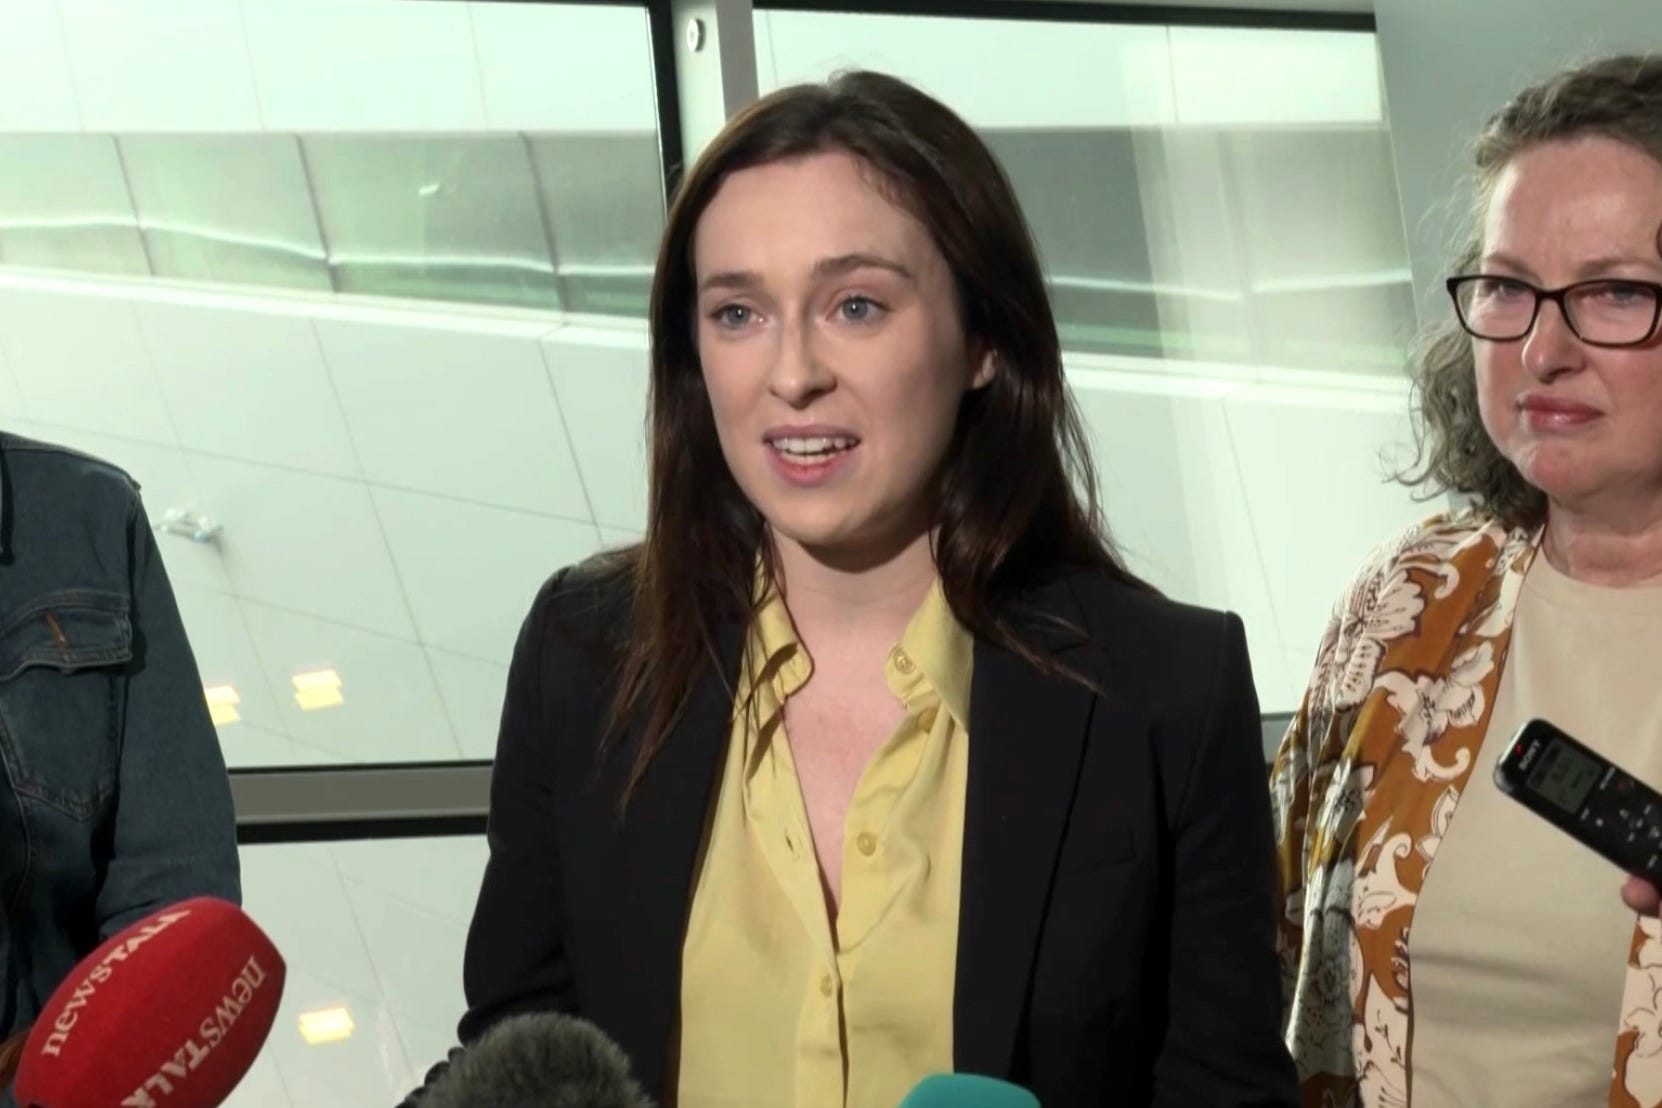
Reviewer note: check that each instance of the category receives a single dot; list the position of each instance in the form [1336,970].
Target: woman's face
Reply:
[833,352]
[1581,423]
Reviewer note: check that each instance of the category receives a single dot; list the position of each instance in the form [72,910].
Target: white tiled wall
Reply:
[78,362]
[390,710]
[382,936]
[464,414]
[391,484]
[1249,494]
[472,694]
[303,543]
[1317,508]
[471,569]
[249,385]
[225,654]
[605,373]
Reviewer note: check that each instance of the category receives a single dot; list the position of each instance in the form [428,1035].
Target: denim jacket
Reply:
[114,800]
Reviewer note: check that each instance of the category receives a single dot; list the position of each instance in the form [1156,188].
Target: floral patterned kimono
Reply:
[1364,786]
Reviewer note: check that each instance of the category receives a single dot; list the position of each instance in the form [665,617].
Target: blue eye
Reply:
[1619,292]
[859,309]
[731,316]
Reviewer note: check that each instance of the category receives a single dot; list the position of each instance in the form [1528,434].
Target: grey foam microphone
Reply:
[543,1060]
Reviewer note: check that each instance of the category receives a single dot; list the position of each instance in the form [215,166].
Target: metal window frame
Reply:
[666,87]
[338,803]
[1094,11]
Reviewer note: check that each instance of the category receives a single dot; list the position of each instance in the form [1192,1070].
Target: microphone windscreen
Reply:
[542,1060]
[168,1013]
[965,1090]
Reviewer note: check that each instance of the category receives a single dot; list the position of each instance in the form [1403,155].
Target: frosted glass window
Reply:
[1200,194]
[227,208]
[64,205]
[441,218]
[605,209]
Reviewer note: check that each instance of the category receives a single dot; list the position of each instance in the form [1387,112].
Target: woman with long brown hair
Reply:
[873,760]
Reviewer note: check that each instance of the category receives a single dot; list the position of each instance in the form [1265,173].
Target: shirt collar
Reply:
[941,652]
[934,649]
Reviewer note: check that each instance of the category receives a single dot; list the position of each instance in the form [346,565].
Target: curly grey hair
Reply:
[1618,97]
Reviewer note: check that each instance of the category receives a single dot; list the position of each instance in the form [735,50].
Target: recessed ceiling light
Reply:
[318,688]
[326,1025]
[222,704]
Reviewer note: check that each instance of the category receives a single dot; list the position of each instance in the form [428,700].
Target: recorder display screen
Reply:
[1565,776]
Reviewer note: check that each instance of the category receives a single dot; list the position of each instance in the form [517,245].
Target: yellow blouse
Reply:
[779,1005]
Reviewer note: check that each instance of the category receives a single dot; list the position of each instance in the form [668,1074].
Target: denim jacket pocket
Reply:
[61,670]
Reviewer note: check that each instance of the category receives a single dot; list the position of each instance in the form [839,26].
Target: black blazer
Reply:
[1115,941]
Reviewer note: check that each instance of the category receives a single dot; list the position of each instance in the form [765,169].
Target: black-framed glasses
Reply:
[1611,311]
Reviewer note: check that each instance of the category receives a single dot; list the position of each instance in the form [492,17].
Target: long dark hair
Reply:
[1617,97]
[1015,501]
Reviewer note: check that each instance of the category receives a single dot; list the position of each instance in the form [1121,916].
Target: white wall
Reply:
[381,935]
[392,484]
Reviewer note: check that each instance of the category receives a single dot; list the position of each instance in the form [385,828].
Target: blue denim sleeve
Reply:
[173,832]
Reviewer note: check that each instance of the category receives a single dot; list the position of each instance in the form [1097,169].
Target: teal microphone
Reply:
[966,1090]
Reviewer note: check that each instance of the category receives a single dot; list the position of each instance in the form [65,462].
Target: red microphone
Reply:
[169,1013]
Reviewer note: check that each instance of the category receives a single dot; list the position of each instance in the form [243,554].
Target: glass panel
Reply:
[231,208]
[1329,285]
[1100,272]
[1190,189]
[441,218]
[356,501]
[1194,247]
[1217,215]
[64,205]
[605,207]
[1049,74]
[372,934]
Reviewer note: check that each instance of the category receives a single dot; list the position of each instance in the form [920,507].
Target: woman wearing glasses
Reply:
[1510,972]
